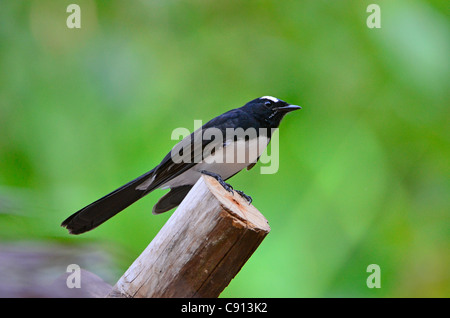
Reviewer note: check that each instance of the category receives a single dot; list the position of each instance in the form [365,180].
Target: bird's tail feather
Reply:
[106,207]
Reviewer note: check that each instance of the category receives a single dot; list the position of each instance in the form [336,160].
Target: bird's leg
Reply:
[227,186]
[246,197]
[219,179]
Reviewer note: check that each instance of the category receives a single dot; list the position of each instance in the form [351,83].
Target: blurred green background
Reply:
[364,166]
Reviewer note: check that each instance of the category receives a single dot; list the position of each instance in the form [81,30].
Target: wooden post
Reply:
[200,249]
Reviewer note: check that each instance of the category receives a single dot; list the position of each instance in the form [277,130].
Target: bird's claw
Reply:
[219,179]
[246,197]
[227,186]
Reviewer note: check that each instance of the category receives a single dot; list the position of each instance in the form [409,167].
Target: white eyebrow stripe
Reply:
[273,99]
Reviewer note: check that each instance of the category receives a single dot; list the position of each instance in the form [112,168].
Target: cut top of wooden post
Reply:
[200,249]
[237,205]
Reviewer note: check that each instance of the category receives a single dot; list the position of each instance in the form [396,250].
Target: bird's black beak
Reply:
[288,108]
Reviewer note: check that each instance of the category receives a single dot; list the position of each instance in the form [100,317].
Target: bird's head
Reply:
[270,109]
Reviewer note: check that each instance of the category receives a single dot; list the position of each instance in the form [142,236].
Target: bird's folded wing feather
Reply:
[189,151]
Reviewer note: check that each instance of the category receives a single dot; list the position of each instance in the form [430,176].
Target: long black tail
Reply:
[101,210]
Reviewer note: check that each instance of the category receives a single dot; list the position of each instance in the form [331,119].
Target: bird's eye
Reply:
[268,103]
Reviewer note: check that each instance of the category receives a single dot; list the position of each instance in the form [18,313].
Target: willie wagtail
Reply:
[221,148]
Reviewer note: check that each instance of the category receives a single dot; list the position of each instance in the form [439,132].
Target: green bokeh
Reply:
[364,174]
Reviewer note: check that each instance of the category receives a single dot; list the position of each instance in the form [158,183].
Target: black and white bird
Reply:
[197,154]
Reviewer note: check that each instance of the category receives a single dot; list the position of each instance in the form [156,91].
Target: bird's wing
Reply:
[190,150]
